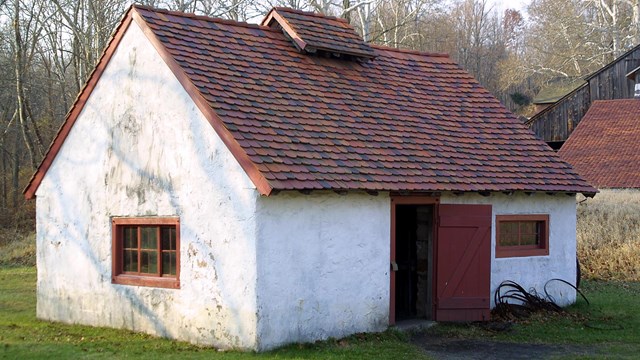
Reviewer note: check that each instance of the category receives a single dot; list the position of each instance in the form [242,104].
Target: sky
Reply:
[513,4]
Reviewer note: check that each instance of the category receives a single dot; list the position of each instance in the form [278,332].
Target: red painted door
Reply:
[463,263]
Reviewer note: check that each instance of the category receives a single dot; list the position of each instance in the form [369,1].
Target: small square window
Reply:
[522,235]
[146,252]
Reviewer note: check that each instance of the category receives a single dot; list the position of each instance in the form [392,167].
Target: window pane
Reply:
[130,234]
[508,233]
[169,263]
[517,233]
[130,261]
[149,236]
[168,236]
[509,228]
[528,227]
[509,239]
[529,239]
[149,262]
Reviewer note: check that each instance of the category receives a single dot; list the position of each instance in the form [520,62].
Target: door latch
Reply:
[394,266]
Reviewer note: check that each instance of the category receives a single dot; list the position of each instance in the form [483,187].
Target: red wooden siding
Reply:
[463,263]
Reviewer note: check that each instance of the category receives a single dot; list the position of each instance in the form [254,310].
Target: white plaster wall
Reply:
[323,266]
[142,148]
[324,259]
[534,271]
[256,272]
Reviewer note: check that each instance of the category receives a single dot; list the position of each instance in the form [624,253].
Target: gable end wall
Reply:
[141,147]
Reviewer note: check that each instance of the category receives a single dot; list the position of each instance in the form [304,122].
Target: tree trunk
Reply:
[346,4]
[636,21]
[4,182]
[16,171]
[19,71]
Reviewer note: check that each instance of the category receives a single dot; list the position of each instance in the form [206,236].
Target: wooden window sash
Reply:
[159,250]
[541,249]
[157,279]
[164,251]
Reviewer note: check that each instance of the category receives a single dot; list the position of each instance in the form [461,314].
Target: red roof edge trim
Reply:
[239,154]
[77,107]
[274,16]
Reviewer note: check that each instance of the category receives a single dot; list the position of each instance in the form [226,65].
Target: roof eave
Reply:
[586,190]
[240,155]
[632,74]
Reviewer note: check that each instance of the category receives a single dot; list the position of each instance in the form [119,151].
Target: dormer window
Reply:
[313,33]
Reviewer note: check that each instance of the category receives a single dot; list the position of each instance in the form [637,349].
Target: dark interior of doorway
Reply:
[414,257]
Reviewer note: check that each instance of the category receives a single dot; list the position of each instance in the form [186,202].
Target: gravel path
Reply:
[452,349]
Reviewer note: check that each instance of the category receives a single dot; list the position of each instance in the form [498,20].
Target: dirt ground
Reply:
[452,349]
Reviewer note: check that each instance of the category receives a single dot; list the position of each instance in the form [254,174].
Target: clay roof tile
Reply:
[605,146]
[404,121]
[311,32]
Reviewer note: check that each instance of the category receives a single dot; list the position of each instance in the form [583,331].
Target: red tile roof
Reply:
[404,121]
[311,32]
[605,146]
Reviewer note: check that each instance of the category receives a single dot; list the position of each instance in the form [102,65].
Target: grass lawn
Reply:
[611,325]
[22,336]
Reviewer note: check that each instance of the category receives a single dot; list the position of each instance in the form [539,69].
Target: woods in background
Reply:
[48,49]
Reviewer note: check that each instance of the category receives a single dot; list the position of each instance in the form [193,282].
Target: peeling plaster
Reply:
[142,148]
[256,272]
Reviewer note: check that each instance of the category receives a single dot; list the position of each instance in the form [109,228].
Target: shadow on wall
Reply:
[78,227]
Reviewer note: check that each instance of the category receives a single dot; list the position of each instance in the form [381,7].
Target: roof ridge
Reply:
[289,140]
[310,13]
[410,51]
[202,17]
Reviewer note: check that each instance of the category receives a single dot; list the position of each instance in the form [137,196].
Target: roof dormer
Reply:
[314,33]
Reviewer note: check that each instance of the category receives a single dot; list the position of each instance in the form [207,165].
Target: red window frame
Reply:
[157,279]
[540,249]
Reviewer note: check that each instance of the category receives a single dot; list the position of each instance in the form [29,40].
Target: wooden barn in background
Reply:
[555,123]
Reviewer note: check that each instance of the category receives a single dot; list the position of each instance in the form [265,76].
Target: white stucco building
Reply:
[248,186]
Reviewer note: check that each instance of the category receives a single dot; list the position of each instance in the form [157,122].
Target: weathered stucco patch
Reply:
[142,148]
[256,272]
[323,266]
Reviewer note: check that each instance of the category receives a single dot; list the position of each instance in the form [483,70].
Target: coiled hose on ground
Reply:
[513,301]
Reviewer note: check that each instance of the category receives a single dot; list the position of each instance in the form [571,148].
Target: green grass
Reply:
[611,325]
[17,248]
[611,322]
[23,336]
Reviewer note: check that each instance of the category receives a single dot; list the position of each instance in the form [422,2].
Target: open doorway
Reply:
[413,264]
[439,270]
